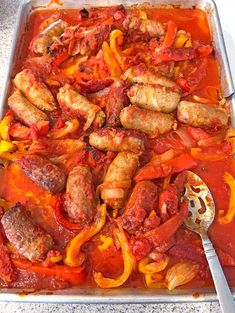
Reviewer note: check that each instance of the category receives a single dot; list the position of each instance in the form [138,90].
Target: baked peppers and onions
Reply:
[104,113]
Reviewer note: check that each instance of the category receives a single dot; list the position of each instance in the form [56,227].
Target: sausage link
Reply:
[71,100]
[120,171]
[149,122]
[80,201]
[42,42]
[43,172]
[202,115]
[154,97]
[118,99]
[141,74]
[35,91]
[142,201]
[27,237]
[112,139]
[27,113]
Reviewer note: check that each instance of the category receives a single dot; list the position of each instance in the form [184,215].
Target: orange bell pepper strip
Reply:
[74,257]
[198,154]
[147,266]
[116,41]
[109,58]
[74,276]
[129,264]
[173,166]
[230,214]
[165,231]
[170,35]
[69,128]
[5,126]
[155,280]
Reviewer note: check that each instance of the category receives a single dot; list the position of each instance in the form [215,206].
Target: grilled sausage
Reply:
[71,100]
[118,99]
[80,199]
[42,42]
[117,181]
[142,29]
[142,201]
[35,91]
[141,74]
[112,139]
[27,237]
[154,97]
[149,122]
[201,115]
[27,113]
[42,172]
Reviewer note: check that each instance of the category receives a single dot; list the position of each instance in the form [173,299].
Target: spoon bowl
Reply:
[201,215]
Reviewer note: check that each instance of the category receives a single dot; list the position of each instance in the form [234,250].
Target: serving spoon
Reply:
[201,215]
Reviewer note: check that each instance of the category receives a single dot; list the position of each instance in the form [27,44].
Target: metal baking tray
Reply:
[119,295]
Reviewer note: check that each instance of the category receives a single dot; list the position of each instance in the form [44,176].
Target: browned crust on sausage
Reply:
[27,237]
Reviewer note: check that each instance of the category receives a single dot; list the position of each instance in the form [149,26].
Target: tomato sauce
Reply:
[17,187]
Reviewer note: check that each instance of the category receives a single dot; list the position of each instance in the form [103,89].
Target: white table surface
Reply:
[8,10]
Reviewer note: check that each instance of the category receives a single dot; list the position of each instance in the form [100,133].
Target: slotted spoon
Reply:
[201,215]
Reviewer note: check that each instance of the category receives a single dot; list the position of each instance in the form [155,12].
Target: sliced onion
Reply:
[186,139]
[160,158]
[211,141]
[202,100]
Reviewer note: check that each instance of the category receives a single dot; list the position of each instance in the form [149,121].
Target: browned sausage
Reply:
[154,97]
[117,181]
[113,139]
[80,201]
[142,201]
[141,74]
[71,100]
[118,99]
[27,113]
[139,29]
[27,237]
[202,115]
[42,42]
[35,91]
[42,172]
[149,122]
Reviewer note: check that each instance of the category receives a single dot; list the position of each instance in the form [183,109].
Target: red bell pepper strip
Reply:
[7,269]
[166,230]
[57,205]
[60,58]
[74,276]
[170,35]
[173,166]
[19,131]
[95,85]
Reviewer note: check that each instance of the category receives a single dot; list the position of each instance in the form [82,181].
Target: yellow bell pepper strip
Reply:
[74,276]
[116,41]
[129,264]
[107,241]
[198,154]
[109,58]
[229,216]
[4,127]
[181,273]
[74,257]
[147,266]
[69,128]
[6,146]
[183,39]
[155,280]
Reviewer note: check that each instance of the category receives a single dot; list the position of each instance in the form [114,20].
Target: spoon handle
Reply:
[224,294]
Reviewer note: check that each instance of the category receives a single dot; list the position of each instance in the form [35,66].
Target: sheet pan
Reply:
[119,295]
